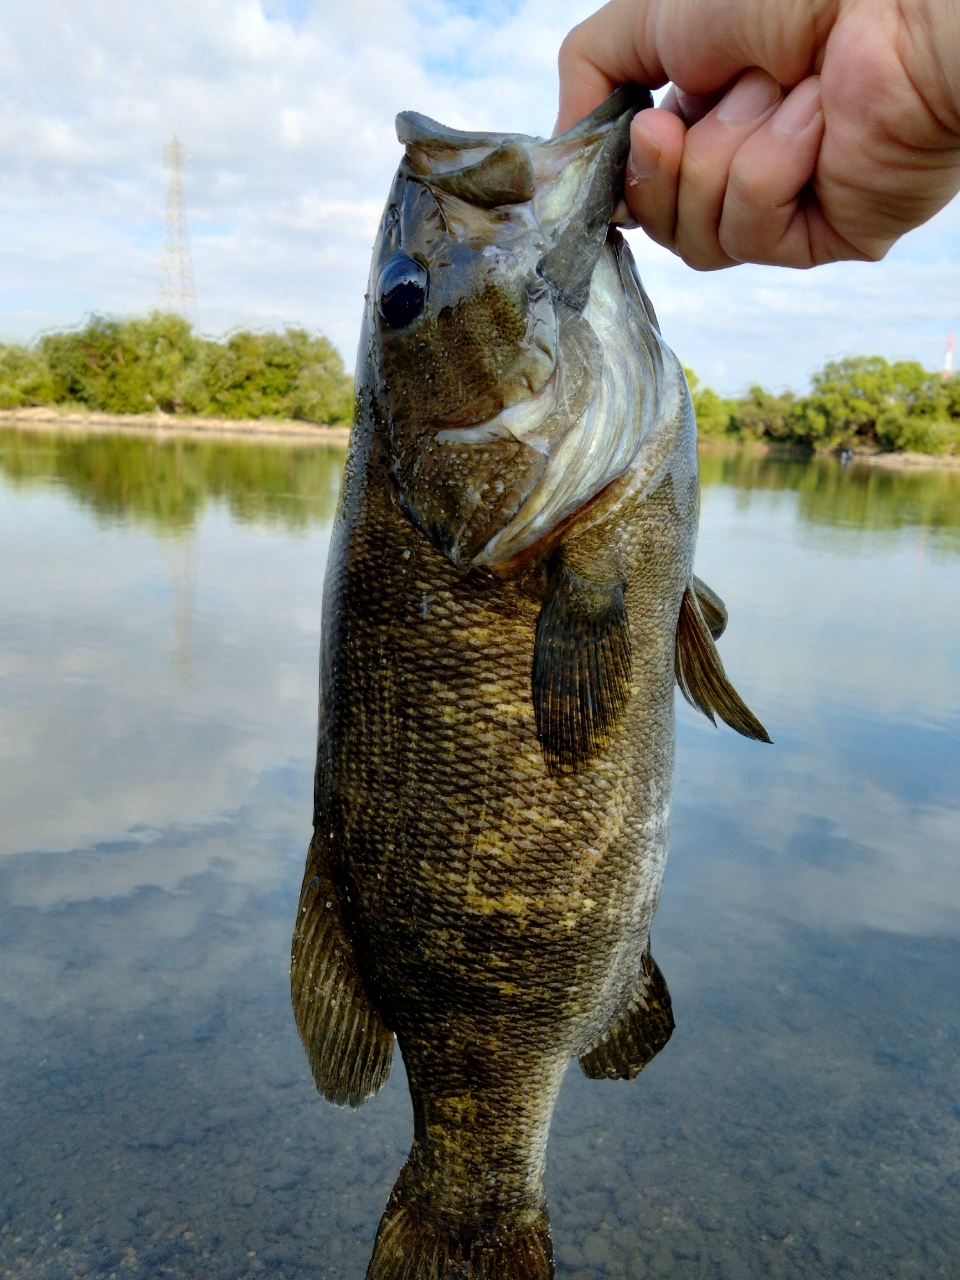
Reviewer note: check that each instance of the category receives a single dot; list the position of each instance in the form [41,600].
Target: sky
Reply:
[285,109]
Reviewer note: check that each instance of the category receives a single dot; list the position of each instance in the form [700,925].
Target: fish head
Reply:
[482,268]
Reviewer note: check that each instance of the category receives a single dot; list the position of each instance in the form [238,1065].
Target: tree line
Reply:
[859,402]
[157,362]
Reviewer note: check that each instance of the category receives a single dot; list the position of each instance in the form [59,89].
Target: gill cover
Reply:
[518,368]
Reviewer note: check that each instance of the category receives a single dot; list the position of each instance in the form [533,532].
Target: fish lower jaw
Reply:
[518,421]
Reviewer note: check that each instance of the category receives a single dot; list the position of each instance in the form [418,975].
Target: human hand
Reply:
[794,133]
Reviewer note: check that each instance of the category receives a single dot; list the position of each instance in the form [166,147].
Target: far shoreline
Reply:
[905,461]
[167,426]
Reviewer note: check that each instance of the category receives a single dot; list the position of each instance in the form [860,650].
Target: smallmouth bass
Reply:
[509,601]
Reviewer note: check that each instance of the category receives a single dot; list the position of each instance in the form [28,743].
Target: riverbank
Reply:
[165,426]
[904,461]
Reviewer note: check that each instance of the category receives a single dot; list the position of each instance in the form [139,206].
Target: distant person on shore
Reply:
[795,133]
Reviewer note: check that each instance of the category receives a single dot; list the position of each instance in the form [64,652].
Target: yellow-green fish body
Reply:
[509,602]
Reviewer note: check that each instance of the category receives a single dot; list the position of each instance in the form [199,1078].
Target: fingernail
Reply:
[622,217]
[753,94]
[799,108]
[644,162]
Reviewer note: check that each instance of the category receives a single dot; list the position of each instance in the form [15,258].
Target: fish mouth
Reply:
[518,421]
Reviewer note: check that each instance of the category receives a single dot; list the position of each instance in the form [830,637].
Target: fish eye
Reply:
[401,291]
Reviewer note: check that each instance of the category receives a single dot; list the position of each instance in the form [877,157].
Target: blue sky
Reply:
[286,108]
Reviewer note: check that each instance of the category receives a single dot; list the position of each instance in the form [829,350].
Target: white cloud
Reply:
[286,111]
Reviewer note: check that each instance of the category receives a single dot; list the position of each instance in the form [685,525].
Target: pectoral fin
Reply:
[700,673]
[637,1034]
[581,668]
[349,1049]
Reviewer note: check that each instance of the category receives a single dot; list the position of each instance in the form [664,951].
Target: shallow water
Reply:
[158,640]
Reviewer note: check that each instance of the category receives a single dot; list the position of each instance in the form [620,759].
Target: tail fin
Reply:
[700,672]
[412,1244]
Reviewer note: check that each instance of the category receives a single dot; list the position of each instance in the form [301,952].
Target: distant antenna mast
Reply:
[177,290]
[948,358]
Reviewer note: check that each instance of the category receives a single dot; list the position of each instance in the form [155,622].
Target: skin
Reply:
[798,132]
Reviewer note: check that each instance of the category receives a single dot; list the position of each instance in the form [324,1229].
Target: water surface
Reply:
[158,641]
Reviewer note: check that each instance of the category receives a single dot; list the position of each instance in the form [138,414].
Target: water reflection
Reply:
[859,496]
[167,484]
[804,1120]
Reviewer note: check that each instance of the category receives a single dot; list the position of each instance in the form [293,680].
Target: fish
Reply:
[508,603]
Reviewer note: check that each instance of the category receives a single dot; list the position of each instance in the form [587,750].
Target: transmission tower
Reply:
[177,290]
[948,359]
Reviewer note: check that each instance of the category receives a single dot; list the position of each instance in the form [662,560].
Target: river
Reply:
[158,650]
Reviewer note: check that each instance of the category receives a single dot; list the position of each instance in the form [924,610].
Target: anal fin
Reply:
[581,668]
[349,1049]
[637,1034]
[700,672]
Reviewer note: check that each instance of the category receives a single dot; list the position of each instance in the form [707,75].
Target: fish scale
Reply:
[496,738]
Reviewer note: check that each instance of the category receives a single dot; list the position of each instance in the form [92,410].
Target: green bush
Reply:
[761,414]
[124,366]
[157,362]
[851,399]
[24,378]
[863,400]
[897,430]
[288,375]
[713,414]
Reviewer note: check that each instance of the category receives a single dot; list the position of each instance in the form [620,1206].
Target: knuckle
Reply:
[658,232]
[569,54]
[742,244]
[746,239]
[703,257]
[751,226]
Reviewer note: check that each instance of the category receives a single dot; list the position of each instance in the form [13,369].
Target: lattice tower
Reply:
[177,289]
[948,358]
